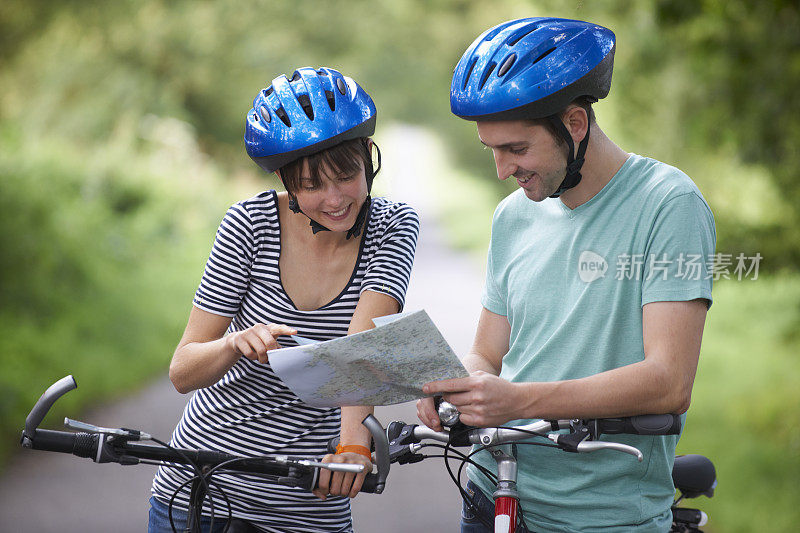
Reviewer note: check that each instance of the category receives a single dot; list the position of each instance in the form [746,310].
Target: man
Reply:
[597,286]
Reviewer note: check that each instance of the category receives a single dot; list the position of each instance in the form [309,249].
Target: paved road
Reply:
[46,492]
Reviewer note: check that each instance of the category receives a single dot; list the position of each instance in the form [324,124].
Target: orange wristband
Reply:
[354,448]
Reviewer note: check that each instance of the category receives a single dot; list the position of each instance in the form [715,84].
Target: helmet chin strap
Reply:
[316,227]
[574,163]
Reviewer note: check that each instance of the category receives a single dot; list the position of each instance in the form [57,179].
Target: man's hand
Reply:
[341,483]
[484,400]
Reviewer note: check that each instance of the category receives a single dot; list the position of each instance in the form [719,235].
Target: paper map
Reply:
[381,366]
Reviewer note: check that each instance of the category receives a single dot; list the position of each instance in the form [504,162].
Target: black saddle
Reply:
[694,475]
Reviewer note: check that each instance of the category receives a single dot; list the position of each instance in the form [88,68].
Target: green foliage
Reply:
[722,78]
[111,114]
[745,406]
[693,82]
[98,267]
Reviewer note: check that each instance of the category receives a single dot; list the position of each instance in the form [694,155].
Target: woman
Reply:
[319,260]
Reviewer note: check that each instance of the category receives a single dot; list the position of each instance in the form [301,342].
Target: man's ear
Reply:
[577,122]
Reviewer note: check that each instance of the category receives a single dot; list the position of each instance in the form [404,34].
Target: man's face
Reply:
[527,152]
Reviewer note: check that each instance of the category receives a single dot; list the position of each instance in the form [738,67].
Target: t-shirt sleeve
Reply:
[389,270]
[493,298]
[227,273]
[681,243]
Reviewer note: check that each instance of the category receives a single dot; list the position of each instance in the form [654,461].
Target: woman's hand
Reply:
[342,483]
[427,413]
[255,341]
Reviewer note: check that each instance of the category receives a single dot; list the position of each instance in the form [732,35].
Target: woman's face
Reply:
[336,200]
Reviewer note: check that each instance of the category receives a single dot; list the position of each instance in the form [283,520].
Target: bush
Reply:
[100,257]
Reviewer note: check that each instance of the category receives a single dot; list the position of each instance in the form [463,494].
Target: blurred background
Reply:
[121,146]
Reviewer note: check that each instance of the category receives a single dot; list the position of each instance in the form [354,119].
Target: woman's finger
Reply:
[281,329]
[251,346]
[323,484]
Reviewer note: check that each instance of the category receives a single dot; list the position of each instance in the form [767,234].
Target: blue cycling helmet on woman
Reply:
[533,68]
[312,111]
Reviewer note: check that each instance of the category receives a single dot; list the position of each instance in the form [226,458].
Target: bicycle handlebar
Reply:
[44,403]
[114,445]
[634,425]
[101,448]
[583,436]
[641,425]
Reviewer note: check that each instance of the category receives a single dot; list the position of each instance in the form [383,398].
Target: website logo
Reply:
[591,266]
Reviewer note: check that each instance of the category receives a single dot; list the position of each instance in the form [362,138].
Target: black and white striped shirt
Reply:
[250,411]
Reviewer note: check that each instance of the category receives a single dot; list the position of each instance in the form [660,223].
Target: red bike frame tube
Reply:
[505,514]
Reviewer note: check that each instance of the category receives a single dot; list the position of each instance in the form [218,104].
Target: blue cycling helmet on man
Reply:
[314,110]
[533,68]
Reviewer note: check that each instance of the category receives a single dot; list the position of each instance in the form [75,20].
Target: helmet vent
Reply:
[264,114]
[268,91]
[341,86]
[331,100]
[509,61]
[517,37]
[305,102]
[295,76]
[322,72]
[469,72]
[493,33]
[543,55]
[283,116]
[486,74]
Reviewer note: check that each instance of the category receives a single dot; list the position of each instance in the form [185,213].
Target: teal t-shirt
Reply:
[572,284]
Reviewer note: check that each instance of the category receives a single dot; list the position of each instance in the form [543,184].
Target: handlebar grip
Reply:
[370,482]
[80,444]
[641,425]
[45,402]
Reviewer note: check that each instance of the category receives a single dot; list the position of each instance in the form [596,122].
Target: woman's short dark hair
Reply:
[347,157]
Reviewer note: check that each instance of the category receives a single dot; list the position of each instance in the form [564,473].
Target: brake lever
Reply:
[581,443]
[334,467]
[131,434]
[594,445]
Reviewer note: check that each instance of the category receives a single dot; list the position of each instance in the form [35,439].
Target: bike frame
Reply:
[506,496]
[499,442]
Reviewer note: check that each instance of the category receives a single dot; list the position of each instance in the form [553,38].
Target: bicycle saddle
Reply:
[694,475]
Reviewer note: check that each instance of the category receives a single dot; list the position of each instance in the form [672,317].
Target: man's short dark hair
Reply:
[584,102]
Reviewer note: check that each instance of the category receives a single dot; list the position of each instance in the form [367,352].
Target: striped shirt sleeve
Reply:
[227,273]
[389,270]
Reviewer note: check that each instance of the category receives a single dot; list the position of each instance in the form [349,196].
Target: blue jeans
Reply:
[484,507]
[159,519]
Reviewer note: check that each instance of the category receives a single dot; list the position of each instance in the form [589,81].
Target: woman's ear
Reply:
[377,155]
